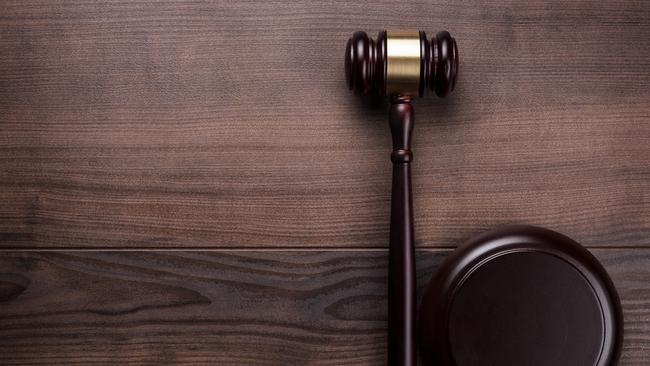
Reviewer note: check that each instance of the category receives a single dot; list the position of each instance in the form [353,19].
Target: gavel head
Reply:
[401,63]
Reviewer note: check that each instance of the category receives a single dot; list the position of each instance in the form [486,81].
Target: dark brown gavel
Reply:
[401,65]
[516,295]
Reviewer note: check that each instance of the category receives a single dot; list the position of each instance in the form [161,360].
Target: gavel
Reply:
[517,295]
[401,65]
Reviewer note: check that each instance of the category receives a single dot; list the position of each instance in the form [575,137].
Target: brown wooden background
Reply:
[191,182]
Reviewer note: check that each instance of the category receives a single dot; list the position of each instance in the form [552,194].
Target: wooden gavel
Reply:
[517,295]
[401,65]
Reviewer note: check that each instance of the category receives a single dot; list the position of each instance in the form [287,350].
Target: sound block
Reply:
[520,295]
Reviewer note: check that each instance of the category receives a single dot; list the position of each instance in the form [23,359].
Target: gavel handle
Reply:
[401,267]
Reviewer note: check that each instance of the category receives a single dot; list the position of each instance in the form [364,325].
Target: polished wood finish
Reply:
[231,308]
[366,64]
[520,295]
[367,70]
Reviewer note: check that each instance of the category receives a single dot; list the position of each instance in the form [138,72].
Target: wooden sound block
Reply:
[521,296]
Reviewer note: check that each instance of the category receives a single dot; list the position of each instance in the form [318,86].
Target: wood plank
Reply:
[228,124]
[230,307]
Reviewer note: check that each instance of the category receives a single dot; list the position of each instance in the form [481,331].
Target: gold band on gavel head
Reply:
[403,62]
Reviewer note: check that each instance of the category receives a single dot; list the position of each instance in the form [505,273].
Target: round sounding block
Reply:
[517,296]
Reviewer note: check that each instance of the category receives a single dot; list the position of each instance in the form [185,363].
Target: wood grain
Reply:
[150,124]
[230,308]
[227,125]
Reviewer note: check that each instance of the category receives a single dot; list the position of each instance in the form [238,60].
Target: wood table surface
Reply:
[191,182]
